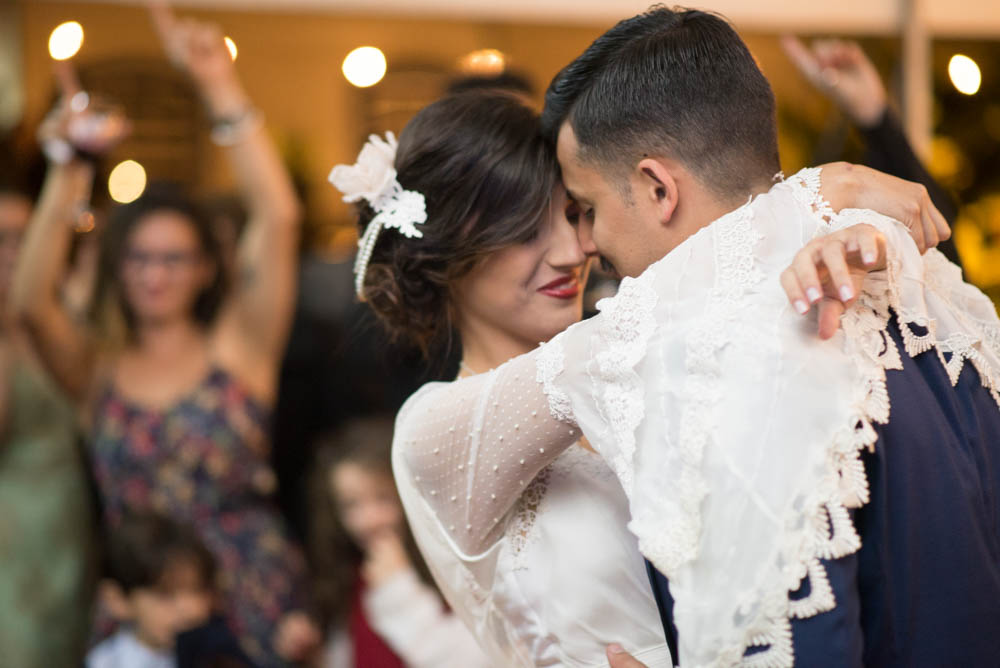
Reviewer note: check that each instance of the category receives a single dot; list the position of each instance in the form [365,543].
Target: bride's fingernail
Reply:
[869,258]
[813,294]
[615,648]
[801,307]
[846,292]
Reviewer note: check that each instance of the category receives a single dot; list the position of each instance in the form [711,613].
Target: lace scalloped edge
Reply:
[809,183]
[832,534]
[829,532]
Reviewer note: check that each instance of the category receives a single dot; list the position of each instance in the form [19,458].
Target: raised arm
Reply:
[847,186]
[259,311]
[63,343]
[472,447]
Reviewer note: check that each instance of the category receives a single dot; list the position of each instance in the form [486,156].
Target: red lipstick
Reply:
[565,287]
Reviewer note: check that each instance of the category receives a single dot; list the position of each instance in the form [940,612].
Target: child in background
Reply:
[161,588]
[373,592]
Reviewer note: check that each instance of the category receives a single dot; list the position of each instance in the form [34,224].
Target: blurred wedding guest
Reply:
[841,71]
[176,370]
[160,586]
[46,531]
[338,365]
[372,590]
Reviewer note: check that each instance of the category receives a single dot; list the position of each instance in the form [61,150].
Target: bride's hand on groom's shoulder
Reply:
[848,186]
[829,271]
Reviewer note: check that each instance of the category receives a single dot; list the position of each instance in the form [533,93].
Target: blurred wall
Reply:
[290,64]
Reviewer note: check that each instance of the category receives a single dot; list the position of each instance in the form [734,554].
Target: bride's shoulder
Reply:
[427,407]
[425,396]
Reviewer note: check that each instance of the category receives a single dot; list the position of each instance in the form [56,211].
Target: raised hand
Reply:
[193,46]
[79,123]
[844,73]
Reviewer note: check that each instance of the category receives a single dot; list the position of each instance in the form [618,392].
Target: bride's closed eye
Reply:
[573,213]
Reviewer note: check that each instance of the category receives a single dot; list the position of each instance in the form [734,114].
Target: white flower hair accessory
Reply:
[373,178]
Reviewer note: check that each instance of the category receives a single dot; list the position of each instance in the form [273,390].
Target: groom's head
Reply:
[661,125]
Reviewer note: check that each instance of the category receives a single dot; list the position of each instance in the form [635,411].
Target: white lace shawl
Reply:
[735,430]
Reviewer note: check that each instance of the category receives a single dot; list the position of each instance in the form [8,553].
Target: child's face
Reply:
[366,500]
[179,602]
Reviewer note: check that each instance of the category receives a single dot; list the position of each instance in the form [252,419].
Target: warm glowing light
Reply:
[365,66]
[965,74]
[65,40]
[231,45]
[946,158]
[489,62]
[127,181]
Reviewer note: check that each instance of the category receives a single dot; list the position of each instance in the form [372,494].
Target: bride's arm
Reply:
[848,186]
[471,447]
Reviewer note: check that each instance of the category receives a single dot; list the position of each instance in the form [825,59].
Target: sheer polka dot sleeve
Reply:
[472,446]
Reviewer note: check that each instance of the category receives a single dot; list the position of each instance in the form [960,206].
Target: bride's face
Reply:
[529,292]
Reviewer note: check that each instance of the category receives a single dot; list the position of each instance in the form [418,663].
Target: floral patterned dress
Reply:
[205,461]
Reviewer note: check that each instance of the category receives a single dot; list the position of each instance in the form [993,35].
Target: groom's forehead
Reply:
[566,144]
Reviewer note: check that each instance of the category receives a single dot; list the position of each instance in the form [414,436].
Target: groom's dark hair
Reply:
[675,82]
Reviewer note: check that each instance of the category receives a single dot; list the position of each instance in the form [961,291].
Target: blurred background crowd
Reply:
[195,412]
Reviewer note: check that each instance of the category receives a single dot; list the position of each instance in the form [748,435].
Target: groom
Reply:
[665,129]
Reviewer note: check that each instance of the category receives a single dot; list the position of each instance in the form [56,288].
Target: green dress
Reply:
[46,528]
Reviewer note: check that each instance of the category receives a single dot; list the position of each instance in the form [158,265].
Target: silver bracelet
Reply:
[230,130]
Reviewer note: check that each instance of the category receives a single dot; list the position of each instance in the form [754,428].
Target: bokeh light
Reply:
[127,181]
[965,74]
[365,66]
[484,62]
[231,45]
[65,40]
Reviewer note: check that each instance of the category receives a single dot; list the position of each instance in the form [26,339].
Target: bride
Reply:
[528,542]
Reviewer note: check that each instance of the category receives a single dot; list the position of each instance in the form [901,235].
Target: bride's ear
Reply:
[658,187]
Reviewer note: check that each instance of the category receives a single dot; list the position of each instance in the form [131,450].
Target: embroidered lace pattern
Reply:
[735,238]
[828,531]
[521,530]
[550,362]
[806,188]
[628,322]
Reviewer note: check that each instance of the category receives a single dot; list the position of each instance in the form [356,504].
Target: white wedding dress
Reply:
[541,567]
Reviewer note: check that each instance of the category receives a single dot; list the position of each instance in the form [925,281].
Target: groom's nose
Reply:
[585,232]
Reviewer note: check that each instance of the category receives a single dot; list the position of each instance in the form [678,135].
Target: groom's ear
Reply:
[658,187]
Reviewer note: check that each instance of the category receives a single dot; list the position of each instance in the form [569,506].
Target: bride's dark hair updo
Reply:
[487,177]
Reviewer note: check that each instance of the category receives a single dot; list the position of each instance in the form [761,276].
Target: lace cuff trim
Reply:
[807,189]
[549,363]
